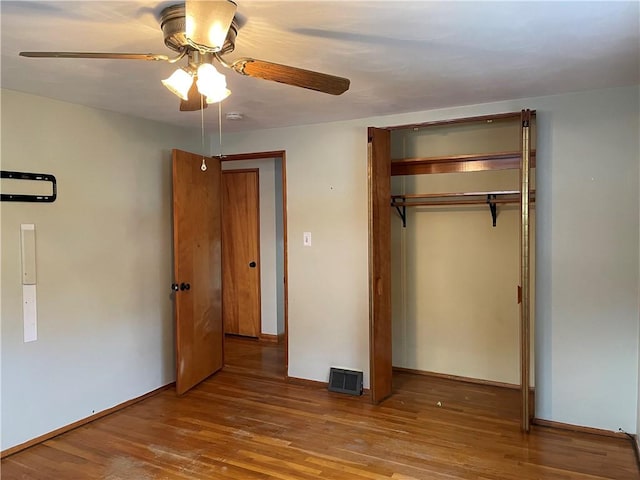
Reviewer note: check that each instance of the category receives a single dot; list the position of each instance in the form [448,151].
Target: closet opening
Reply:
[452,265]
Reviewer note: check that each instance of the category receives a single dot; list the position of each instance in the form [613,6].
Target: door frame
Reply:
[379,180]
[281,155]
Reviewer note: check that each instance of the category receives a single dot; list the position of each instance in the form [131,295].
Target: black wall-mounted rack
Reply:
[38,177]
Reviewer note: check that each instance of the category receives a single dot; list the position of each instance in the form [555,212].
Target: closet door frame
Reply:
[526,407]
[379,174]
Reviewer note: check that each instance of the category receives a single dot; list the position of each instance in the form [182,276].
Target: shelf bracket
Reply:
[493,208]
[402,211]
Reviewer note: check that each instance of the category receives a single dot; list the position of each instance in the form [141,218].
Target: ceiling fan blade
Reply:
[110,56]
[320,82]
[195,101]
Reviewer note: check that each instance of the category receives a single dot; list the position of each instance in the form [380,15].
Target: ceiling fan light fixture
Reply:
[179,83]
[219,97]
[212,84]
[214,18]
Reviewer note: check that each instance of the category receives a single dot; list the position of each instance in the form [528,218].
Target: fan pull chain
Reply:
[203,167]
[220,126]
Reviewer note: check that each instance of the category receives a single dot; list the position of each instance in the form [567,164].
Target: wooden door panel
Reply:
[198,265]
[379,171]
[241,250]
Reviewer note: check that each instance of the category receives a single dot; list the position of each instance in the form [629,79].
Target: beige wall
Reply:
[327,196]
[104,255]
[104,263]
[454,280]
[587,265]
[499,135]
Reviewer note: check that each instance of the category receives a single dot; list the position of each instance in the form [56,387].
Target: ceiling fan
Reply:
[202,32]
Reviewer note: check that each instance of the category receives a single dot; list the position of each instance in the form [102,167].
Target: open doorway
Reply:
[260,349]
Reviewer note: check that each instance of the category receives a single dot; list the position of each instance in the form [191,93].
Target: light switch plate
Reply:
[306,239]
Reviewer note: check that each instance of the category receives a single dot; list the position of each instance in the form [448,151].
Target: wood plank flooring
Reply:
[251,357]
[241,424]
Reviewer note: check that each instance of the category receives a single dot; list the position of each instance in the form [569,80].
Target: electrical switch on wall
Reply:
[306,239]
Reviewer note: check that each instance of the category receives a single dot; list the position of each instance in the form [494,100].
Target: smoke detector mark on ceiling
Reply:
[234,116]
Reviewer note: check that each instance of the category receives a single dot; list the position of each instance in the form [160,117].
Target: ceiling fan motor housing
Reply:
[173,25]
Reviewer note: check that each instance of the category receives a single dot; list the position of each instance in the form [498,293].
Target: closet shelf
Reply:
[459,163]
[492,199]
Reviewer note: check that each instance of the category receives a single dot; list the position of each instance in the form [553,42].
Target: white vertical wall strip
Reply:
[29,313]
[28,264]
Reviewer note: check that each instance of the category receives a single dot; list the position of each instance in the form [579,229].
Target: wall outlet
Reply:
[306,239]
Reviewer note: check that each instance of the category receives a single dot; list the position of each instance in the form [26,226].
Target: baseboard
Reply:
[459,378]
[577,428]
[81,422]
[636,442]
[307,383]
[270,338]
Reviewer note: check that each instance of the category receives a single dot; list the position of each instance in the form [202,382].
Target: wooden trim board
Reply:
[270,338]
[253,156]
[307,383]
[576,428]
[455,121]
[83,421]
[458,378]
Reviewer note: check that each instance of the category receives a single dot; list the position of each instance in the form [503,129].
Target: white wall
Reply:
[327,196]
[104,255]
[587,244]
[104,263]
[454,301]
[268,239]
[587,224]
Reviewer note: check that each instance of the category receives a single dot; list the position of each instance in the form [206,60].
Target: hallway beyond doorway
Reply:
[253,357]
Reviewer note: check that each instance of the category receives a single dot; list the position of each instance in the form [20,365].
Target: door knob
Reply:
[253,264]
[174,287]
[184,286]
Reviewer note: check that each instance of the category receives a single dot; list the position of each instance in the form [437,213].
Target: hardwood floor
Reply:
[251,357]
[244,424]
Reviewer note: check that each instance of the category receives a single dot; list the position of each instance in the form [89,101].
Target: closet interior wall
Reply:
[455,275]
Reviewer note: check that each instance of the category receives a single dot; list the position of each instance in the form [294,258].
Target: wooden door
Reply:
[197,268]
[241,252]
[525,272]
[379,172]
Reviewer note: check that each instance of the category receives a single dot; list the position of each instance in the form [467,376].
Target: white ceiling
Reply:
[400,56]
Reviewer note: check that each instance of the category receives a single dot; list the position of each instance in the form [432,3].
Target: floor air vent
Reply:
[345,381]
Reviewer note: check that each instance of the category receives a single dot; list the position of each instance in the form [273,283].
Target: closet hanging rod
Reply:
[461,194]
[492,199]
[479,201]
